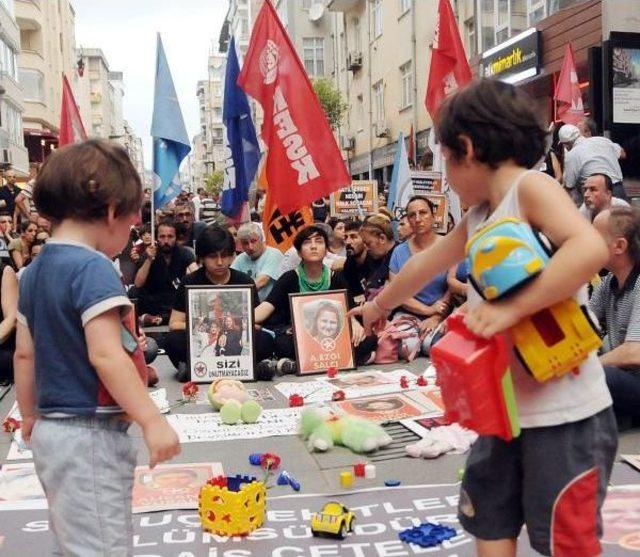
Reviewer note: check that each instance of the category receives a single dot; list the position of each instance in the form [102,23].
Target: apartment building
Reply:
[381,67]
[47,39]
[12,150]
[99,95]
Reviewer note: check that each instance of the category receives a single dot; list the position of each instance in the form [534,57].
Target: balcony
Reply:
[343,5]
[28,14]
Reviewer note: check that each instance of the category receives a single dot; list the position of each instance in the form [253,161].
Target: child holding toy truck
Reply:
[553,477]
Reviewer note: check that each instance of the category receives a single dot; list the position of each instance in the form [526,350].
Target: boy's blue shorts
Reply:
[553,479]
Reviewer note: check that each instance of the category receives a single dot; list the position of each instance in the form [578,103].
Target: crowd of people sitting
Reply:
[194,245]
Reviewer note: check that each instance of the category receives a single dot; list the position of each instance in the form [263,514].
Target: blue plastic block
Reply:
[392,483]
[255,459]
[427,534]
[286,479]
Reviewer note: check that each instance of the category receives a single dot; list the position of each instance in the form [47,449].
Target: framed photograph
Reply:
[220,336]
[321,331]
[386,408]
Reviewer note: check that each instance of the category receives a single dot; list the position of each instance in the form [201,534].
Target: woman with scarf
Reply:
[311,275]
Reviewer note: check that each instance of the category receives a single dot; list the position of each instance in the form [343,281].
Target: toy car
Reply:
[333,520]
[504,256]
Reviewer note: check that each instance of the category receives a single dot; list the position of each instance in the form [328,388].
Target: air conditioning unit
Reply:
[6,157]
[347,142]
[380,129]
[354,61]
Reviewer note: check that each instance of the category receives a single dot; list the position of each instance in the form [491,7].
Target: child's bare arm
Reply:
[581,253]
[118,374]
[418,271]
[25,379]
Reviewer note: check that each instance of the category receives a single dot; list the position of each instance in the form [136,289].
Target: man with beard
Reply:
[187,231]
[160,270]
[358,265]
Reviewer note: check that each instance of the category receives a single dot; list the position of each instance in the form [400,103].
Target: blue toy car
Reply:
[503,256]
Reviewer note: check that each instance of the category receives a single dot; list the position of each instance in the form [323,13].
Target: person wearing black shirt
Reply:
[377,235]
[310,276]
[215,248]
[160,270]
[358,265]
[8,194]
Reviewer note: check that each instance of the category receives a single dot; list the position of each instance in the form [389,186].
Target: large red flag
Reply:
[303,159]
[449,67]
[71,128]
[567,93]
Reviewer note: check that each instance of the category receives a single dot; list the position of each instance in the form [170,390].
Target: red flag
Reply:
[303,159]
[567,94]
[449,67]
[71,128]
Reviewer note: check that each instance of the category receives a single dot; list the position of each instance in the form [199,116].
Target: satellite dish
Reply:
[316,11]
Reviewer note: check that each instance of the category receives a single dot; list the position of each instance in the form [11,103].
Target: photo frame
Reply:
[220,333]
[321,331]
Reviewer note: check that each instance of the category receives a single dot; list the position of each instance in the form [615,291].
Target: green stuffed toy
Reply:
[322,429]
[230,398]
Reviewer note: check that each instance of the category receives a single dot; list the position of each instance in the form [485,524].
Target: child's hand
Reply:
[161,440]
[489,319]
[27,427]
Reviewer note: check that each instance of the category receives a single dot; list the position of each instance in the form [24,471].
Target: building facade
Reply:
[381,67]
[47,39]
[12,150]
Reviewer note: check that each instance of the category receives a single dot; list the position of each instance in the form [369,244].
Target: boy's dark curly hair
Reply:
[501,121]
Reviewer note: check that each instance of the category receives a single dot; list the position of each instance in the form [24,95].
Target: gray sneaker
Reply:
[285,366]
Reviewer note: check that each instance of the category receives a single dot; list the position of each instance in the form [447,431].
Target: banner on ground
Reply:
[360,197]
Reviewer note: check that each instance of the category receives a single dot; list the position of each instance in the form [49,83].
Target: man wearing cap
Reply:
[587,156]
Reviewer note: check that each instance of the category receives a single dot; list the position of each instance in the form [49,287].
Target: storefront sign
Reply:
[361,196]
[515,59]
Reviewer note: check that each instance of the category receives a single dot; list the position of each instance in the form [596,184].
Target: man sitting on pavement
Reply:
[160,270]
[358,265]
[187,230]
[377,235]
[261,262]
[589,155]
[616,304]
[598,196]
[215,249]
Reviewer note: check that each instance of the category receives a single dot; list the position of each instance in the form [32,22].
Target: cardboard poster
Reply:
[20,488]
[385,408]
[322,332]
[361,196]
[171,486]
[220,332]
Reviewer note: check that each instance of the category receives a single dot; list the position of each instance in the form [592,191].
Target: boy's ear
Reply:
[111,214]
[620,246]
[467,144]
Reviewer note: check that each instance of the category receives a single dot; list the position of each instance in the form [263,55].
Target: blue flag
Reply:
[401,188]
[170,139]
[241,144]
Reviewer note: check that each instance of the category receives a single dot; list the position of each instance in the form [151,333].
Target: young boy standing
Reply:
[553,478]
[77,386]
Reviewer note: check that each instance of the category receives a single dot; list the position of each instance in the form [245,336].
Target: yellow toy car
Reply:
[333,520]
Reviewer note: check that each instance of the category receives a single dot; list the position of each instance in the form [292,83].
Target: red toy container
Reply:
[474,376]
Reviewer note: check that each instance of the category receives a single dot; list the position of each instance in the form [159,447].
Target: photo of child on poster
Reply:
[220,333]
[322,333]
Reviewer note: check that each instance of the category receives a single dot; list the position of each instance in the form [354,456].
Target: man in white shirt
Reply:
[196,201]
[261,262]
[587,156]
[598,196]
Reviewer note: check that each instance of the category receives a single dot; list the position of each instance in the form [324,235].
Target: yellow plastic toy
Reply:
[334,520]
[556,340]
[232,506]
[503,257]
